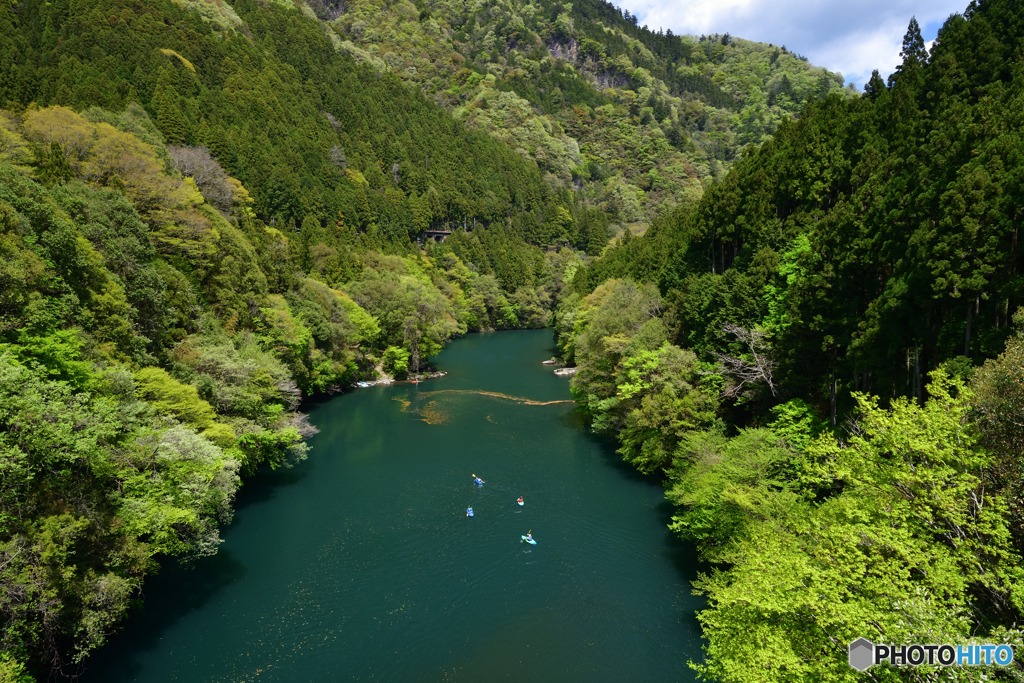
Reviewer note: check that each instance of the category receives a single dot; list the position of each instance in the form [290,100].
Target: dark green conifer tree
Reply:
[167,105]
[913,53]
[875,85]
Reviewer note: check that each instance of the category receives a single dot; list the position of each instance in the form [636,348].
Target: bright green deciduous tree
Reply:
[661,400]
[998,388]
[168,395]
[910,547]
[723,485]
[395,361]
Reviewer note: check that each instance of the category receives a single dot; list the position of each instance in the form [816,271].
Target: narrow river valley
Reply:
[361,563]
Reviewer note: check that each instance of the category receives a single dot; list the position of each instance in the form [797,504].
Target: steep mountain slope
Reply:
[163,309]
[639,120]
[867,230]
[209,211]
[301,126]
[824,357]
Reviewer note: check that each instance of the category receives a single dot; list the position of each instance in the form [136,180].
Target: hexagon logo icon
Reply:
[862,654]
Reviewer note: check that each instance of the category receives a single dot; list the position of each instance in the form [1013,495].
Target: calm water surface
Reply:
[360,564]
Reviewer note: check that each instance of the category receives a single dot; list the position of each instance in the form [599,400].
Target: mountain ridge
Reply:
[580,89]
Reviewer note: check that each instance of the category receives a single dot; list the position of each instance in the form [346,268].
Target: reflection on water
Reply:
[361,564]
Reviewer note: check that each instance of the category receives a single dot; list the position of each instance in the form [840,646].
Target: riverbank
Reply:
[411,379]
[360,562]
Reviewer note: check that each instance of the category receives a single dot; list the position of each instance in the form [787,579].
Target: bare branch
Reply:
[210,178]
[752,369]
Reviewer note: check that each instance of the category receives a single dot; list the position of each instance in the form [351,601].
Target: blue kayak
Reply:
[478,482]
[469,512]
[529,540]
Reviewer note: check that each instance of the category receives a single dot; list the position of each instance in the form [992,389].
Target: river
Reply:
[361,564]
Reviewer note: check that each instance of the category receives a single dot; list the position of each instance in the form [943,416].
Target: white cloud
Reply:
[852,37]
[857,54]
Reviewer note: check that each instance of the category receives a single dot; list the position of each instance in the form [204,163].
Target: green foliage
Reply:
[236,376]
[636,119]
[93,488]
[909,547]
[796,423]
[411,311]
[274,448]
[167,395]
[277,105]
[395,361]
[13,671]
[724,485]
[998,408]
[190,488]
[872,239]
[602,329]
[56,355]
[630,380]
[662,400]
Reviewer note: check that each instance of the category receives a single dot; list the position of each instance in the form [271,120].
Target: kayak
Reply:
[529,540]
[469,512]
[478,482]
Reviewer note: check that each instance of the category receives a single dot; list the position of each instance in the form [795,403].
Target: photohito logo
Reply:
[864,654]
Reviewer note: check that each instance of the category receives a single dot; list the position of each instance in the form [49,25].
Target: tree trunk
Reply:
[967,336]
[414,356]
[832,397]
[917,372]
[910,376]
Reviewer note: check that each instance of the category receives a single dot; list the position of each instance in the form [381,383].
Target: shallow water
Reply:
[360,564]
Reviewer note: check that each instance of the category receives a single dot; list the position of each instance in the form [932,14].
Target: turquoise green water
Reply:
[360,564]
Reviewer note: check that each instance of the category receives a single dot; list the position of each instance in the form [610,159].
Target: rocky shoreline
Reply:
[411,379]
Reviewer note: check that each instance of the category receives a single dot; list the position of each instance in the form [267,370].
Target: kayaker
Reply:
[520,501]
[469,512]
[529,536]
[478,481]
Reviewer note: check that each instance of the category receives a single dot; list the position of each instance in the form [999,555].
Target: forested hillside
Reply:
[209,212]
[638,120]
[198,228]
[299,124]
[823,358]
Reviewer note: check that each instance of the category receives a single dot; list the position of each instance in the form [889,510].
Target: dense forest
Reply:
[637,120]
[209,212]
[823,360]
[198,229]
[305,129]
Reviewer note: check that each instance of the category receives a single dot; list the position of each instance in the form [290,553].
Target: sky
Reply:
[852,36]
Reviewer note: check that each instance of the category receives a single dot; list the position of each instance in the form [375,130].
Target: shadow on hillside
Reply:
[168,596]
[266,484]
